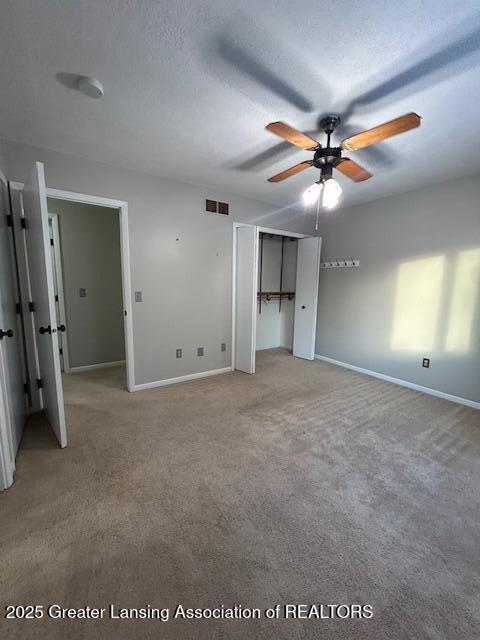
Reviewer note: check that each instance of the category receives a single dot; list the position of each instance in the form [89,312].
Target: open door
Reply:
[246,298]
[306,297]
[41,275]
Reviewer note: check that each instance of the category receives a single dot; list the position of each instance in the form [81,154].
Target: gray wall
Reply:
[416,293]
[180,256]
[90,246]
[274,327]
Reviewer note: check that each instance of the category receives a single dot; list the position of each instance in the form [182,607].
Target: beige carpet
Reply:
[305,483]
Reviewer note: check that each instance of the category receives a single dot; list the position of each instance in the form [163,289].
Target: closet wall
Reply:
[274,321]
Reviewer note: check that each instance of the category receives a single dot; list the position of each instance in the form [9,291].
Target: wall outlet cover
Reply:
[82,292]
[223,346]
[178,353]
[426,363]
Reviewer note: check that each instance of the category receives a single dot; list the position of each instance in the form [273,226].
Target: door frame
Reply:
[7,454]
[236,226]
[122,207]
[57,249]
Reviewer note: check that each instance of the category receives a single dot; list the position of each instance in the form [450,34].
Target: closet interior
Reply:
[276,283]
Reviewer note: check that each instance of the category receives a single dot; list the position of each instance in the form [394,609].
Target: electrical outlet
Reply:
[426,363]
[138,296]
[82,292]
[223,346]
[178,353]
[200,351]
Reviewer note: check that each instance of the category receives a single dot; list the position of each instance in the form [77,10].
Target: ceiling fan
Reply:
[328,158]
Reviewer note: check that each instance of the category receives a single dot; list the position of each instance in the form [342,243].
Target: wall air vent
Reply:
[211,206]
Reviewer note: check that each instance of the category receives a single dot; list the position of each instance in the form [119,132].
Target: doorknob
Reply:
[8,333]
[45,330]
[61,328]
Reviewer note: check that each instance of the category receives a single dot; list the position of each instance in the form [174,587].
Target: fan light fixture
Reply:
[328,157]
[311,195]
[329,190]
[331,193]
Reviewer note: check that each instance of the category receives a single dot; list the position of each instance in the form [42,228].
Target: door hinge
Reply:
[26,387]
[9,220]
[31,306]
[23,223]
[51,241]
[61,351]
[39,383]
[18,307]
[56,298]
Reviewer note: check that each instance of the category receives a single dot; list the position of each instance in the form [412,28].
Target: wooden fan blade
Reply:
[382,132]
[291,172]
[293,136]
[353,170]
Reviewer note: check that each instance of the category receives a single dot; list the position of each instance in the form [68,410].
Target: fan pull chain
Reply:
[318,214]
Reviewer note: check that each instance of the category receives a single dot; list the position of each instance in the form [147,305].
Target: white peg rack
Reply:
[340,264]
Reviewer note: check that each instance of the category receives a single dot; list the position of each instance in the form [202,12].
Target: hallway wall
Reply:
[90,247]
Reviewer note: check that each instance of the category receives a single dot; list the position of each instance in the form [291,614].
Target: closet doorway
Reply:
[275,293]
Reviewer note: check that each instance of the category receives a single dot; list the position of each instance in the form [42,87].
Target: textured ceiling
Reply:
[189,86]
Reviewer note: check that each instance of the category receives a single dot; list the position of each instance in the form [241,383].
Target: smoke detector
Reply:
[91,87]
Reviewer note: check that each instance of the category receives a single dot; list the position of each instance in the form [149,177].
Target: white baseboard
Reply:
[190,376]
[100,365]
[402,383]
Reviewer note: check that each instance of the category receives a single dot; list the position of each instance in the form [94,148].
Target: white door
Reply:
[306,297]
[12,395]
[41,275]
[55,254]
[246,298]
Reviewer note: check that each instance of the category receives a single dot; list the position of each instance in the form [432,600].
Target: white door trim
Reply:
[7,453]
[122,206]
[281,232]
[236,225]
[7,464]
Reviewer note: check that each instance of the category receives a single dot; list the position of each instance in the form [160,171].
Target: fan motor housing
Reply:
[327,155]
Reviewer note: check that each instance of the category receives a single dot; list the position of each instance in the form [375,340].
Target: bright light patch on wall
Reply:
[417,303]
[466,286]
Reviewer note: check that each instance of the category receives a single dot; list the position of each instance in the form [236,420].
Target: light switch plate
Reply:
[138,296]
[82,292]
